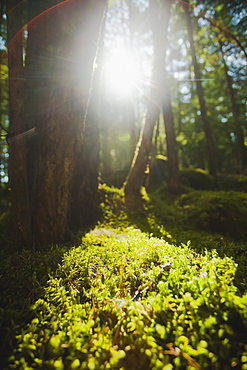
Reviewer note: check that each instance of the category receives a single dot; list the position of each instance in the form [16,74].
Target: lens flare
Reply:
[122,72]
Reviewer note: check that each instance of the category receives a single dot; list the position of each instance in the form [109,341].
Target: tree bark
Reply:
[172,155]
[62,156]
[135,177]
[16,137]
[211,159]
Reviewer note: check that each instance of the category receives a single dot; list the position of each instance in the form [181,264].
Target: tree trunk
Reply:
[211,159]
[61,168]
[84,207]
[241,149]
[17,138]
[135,177]
[160,14]
[172,156]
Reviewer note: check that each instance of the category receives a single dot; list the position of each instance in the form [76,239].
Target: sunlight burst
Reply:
[122,72]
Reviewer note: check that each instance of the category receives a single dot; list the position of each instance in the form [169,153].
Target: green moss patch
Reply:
[196,179]
[128,301]
[220,212]
[233,182]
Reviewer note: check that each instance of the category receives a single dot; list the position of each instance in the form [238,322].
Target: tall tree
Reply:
[160,14]
[241,149]
[211,158]
[172,155]
[62,172]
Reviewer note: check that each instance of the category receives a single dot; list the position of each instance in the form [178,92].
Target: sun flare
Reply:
[122,72]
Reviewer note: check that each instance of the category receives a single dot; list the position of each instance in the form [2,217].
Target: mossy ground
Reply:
[157,285]
[125,300]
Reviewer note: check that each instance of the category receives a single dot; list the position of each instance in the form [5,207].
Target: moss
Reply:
[197,179]
[232,182]
[124,295]
[208,219]
[135,302]
[23,277]
[217,212]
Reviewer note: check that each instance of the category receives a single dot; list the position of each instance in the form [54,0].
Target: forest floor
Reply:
[159,284]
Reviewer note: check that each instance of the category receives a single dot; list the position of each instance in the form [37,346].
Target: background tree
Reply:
[241,149]
[158,100]
[120,109]
[211,158]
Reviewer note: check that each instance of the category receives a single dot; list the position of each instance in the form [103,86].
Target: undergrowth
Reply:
[125,299]
[208,219]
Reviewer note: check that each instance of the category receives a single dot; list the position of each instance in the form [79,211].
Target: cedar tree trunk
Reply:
[62,157]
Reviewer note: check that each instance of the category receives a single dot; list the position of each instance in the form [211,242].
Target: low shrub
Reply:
[194,178]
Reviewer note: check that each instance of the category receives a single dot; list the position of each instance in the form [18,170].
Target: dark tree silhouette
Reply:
[54,178]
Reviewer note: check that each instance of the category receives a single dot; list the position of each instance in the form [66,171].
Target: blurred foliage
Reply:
[196,179]
[232,182]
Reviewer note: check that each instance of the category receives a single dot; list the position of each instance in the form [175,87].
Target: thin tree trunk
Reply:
[241,149]
[160,19]
[172,156]
[135,177]
[105,153]
[211,159]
